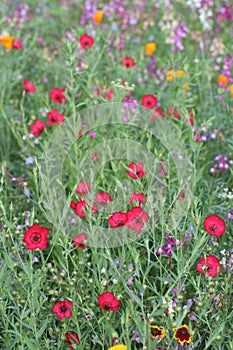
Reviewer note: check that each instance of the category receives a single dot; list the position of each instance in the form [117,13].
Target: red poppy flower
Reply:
[107,301]
[210,265]
[36,237]
[55,117]
[128,62]
[17,44]
[136,170]
[182,334]
[62,309]
[161,167]
[57,95]
[149,101]
[72,337]
[83,188]
[80,206]
[117,220]
[38,127]
[29,86]
[140,198]
[79,240]
[214,225]
[173,113]
[157,112]
[86,41]
[136,219]
[103,198]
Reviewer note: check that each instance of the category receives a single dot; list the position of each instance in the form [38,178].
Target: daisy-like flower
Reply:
[136,170]
[214,225]
[62,309]
[210,265]
[157,332]
[182,334]
[107,301]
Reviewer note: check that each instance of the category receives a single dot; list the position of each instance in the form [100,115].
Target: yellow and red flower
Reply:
[182,334]
[157,332]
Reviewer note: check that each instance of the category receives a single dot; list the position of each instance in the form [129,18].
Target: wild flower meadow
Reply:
[116,174]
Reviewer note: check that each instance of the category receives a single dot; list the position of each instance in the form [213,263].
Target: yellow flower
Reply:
[7,41]
[182,334]
[98,16]
[157,332]
[186,87]
[180,73]
[150,48]
[170,75]
[118,347]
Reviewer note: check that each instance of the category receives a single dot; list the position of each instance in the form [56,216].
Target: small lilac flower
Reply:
[29,160]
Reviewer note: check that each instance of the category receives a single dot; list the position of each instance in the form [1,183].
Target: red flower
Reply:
[38,127]
[107,301]
[55,117]
[191,117]
[103,198]
[136,219]
[83,188]
[214,225]
[161,168]
[136,170]
[36,237]
[72,337]
[80,205]
[29,86]
[182,334]
[17,44]
[210,265]
[128,62]
[149,101]
[86,41]
[79,240]
[62,309]
[117,220]
[140,198]
[57,95]
[172,113]
[156,112]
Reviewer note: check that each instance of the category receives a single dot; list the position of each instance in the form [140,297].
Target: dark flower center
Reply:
[107,306]
[213,227]
[57,97]
[36,237]
[63,308]
[86,42]
[155,332]
[120,223]
[137,221]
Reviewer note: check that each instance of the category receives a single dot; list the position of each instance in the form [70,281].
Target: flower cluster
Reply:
[222,164]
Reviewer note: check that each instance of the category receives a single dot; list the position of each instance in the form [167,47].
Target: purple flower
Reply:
[29,160]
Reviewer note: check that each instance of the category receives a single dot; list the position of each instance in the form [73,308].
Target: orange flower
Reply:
[222,80]
[7,41]
[150,48]
[231,90]
[186,87]
[180,73]
[170,75]
[98,16]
